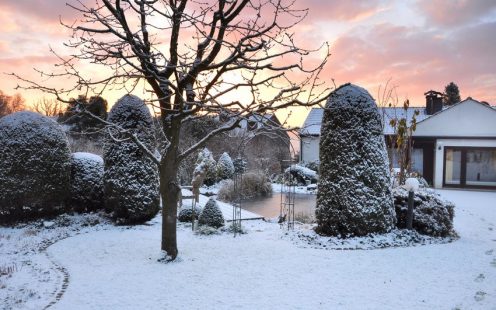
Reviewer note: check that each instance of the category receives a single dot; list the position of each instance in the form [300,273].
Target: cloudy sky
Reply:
[417,44]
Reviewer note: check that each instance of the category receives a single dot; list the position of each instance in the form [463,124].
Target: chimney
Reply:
[433,102]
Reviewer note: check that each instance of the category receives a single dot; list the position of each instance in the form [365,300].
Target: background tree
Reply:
[452,94]
[81,112]
[48,107]
[194,59]
[10,104]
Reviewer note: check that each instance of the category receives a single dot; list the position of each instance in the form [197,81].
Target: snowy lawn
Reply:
[117,268]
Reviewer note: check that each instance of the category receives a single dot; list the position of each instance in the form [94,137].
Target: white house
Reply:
[453,146]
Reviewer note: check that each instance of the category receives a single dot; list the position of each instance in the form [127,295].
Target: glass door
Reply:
[481,167]
[452,166]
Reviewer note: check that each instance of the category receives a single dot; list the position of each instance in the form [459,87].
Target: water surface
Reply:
[270,207]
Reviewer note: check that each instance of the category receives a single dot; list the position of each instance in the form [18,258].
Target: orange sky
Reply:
[417,44]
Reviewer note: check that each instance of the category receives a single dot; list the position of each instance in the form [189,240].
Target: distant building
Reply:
[266,144]
[453,146]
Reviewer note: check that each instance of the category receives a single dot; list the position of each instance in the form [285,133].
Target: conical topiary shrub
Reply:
[35,167]
[354,197]
[211,215]
[225,167]
[131,182]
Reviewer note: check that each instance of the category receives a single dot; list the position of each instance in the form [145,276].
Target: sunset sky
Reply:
[418,44]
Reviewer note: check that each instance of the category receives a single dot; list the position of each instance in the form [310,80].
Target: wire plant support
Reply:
[236,218]
[288,195]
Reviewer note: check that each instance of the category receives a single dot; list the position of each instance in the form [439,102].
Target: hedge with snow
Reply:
[86,182]
[432,215]
[354,197]
[34,167]
[131,182]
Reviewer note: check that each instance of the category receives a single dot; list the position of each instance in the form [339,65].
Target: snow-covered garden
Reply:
[95,265]
[69,240]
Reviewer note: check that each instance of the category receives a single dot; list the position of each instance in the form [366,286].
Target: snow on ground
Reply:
[117,268]
[29,276]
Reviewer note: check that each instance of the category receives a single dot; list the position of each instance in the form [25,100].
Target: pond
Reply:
[270,207]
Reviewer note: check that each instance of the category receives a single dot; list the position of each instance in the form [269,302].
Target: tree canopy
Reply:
[452,94]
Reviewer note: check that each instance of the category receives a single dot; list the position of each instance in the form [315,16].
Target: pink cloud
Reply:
[455,12]
[48,11]
[418,60]
[337,10]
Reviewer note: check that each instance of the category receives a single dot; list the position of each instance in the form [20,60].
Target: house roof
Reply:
[260,121]
[311,126]
[467,118]
[469,99]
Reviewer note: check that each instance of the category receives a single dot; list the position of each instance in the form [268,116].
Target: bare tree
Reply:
[49,107]
[10,104]
[193,58]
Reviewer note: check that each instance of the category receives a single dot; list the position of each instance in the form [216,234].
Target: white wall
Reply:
[466,119]
[309,149]
[439,154]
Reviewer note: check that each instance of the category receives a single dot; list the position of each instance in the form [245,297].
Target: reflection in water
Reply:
[270,207]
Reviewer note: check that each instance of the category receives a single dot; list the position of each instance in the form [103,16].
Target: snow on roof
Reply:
[261,121]
[311,126]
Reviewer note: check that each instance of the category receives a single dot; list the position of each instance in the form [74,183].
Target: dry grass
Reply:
[8,270]
[254,184]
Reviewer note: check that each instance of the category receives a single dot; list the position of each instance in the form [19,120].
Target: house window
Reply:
[418,161]
[470,167]
[393,157]
[481,167]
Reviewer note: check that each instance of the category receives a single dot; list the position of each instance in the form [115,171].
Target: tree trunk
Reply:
[169,190]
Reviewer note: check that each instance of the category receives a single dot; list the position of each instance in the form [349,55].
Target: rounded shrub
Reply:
[354,191]
[432,215]
[34,167]
[131,183]
[211,215]
[186,214]
[86,182]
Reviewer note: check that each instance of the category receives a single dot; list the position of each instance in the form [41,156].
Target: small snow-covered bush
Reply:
[211,215]
[34,167]
[206,164]
[86,182]
[186,214]
[302,174]
[225,167]
[354,192]
[131,182]
[239,165]
[313,165]
[253,184]
[432,215]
